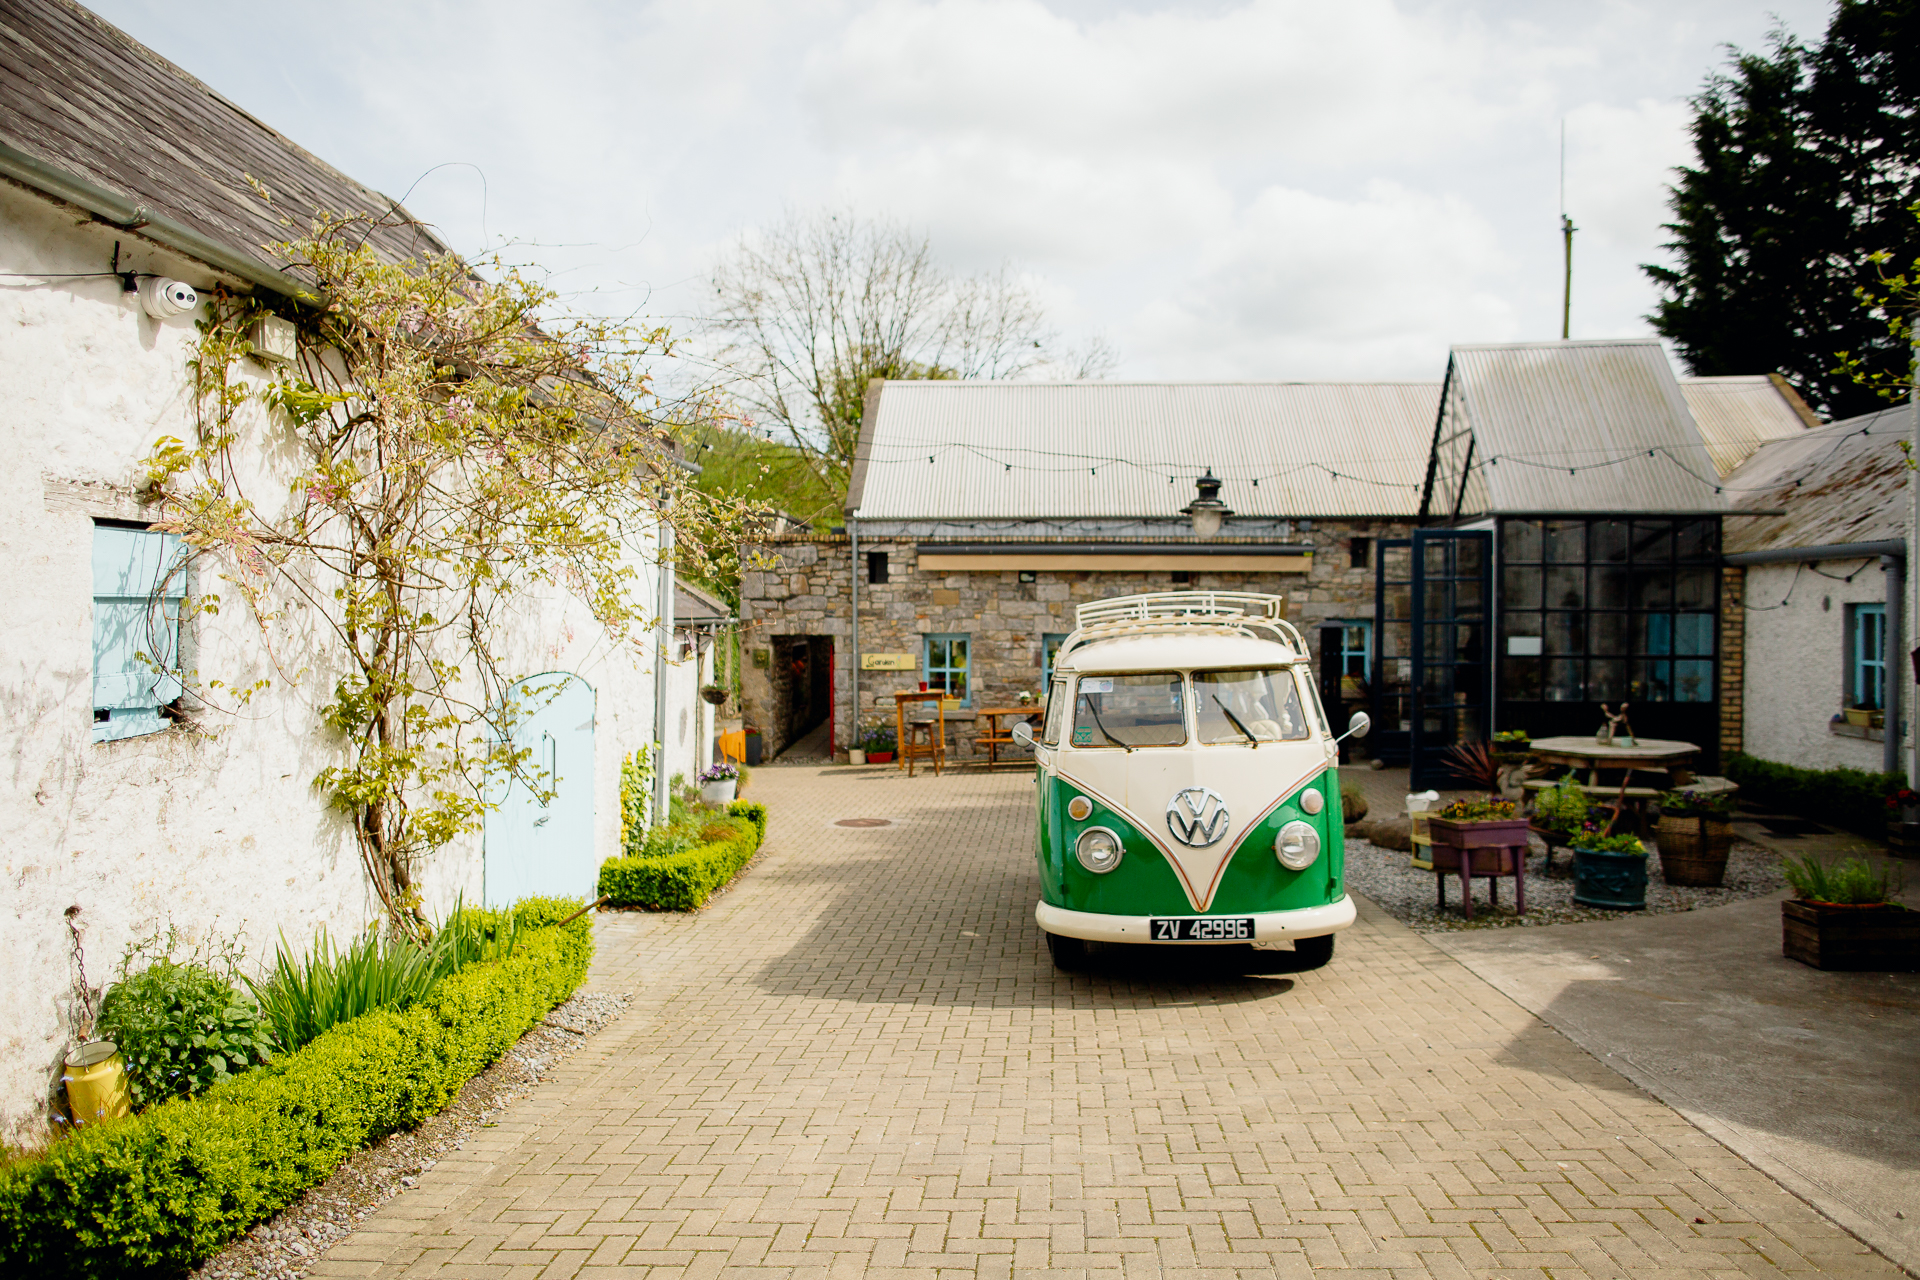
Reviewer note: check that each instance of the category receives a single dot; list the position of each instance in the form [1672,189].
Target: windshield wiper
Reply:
[1236,721]
[1095,713]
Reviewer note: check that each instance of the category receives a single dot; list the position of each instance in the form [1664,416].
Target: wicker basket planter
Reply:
[1880,937]
[1693,851]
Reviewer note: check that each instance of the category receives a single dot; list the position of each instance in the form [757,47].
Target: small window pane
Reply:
[1563,680]
[1609,588]
[1694,540]
[1693,634]
[1567,588]
[1056,712]
[1567,541]
[1606,679]
[1693,681]
[1609,541]
[1520,587]
[1399,602]
[1520,679]
[1693,588]
[1652,541]
[1264,703]
[1468,558]
[1397,563]
[1143,710]
[1607,634]
[1653,633]
[1652,589]
[1468,645]
[1652,681]
[1469,598]
[1520,541]
[1566,633]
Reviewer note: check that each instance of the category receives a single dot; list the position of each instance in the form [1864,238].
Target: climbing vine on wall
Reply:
[443,446]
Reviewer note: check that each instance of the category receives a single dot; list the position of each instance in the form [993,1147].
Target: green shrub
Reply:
[1852,881]
[1850,798]
[1563,806]
[156,1193]
[180,1030]
[683,879]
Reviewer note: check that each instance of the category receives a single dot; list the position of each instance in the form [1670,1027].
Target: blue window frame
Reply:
[1356,647]
[948,666]
[1866,655]
[1050,644]
[139,583]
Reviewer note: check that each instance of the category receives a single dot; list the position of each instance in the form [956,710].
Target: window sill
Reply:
[1839,728]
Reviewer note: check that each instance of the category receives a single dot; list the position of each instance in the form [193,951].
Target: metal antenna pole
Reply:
[1566,230]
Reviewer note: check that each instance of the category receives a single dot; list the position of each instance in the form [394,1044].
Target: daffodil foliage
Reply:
[444,449]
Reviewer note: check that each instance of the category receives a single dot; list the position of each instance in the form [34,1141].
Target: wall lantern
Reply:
[1207,512]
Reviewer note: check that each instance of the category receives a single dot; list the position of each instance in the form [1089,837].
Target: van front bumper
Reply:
[1268,926]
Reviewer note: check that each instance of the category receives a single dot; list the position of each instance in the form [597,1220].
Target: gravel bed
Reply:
[1407,893]
[290,1244]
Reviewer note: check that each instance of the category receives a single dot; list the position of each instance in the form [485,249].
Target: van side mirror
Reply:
[1023,734]
[1357,727]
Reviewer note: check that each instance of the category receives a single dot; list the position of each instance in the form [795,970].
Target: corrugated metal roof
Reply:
[1844,482]
[1581,427]
[1038,450]
[1737,415]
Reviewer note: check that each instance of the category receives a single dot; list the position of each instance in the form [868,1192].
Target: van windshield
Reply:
[1140,709]
[1249,706]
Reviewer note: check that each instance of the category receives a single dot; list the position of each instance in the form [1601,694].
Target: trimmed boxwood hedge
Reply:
[684,881]
[158,1192]
[1850,798]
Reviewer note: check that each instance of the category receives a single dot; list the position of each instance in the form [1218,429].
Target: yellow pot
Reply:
[96,1081]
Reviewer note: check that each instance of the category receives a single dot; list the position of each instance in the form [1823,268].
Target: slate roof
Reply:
[83,100]
[1844,482]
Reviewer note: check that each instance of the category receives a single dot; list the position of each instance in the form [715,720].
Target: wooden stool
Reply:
[933,747]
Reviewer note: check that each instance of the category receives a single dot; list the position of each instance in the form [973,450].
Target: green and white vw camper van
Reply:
[1188,794]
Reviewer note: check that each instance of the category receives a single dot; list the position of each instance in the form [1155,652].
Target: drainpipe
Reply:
[1891,675]
[664,642]
[853,670]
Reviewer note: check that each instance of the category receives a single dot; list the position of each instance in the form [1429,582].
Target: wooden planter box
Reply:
[1484,844]
[1881,938]
[1693,851]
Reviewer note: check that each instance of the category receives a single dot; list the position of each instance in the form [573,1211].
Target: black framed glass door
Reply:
[1392,682]
[1452,659]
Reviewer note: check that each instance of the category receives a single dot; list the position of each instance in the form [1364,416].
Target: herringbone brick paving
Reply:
[858,1061]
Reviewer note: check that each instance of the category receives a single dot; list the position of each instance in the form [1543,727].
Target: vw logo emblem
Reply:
[1197,816]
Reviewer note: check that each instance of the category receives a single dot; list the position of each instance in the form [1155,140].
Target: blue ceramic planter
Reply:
[1617,881]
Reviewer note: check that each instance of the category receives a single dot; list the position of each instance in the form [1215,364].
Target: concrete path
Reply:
[858,1062]
[1815,1077]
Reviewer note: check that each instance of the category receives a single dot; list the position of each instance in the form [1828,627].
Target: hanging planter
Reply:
[713,694]
[96,1080]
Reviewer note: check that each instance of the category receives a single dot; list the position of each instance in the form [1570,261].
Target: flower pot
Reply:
[1859,717]
[1693,851]
[1617,881]
[879,757]
[719,793]
[753,746]
[96,1080]
[1903,837]
[1482,844]
[856,756]
[1880,937]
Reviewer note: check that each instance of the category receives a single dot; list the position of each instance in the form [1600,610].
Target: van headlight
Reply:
[1297,845]
[1098,849]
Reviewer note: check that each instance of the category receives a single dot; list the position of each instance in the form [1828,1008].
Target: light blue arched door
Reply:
[547,849]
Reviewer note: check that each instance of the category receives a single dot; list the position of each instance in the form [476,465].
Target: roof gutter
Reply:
[1831,551]
[116,209]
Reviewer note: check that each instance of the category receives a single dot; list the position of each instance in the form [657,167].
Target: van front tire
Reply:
[1311,953]
[1069,954]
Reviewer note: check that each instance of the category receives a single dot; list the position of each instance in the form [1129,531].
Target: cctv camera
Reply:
[165,299]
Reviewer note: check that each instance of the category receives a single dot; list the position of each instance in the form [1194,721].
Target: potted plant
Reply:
[1024,697]
[1560,812]
[753,744]
[1903,822]
[1694,833]
[714,694]
[879,744]
[1843,917]
[719,782]
[1608,870]
[1477,828]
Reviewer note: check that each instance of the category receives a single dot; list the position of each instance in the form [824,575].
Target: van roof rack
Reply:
[1246,613]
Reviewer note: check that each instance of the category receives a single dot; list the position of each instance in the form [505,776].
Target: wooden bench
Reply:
[1633,793]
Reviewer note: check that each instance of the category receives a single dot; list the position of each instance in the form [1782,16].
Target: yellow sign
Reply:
[889,662]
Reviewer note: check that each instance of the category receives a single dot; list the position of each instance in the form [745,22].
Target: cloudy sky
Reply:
[1271,189]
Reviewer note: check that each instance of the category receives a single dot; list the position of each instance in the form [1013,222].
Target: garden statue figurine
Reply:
[1616,732]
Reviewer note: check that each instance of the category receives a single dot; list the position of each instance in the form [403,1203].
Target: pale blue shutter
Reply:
[138,586]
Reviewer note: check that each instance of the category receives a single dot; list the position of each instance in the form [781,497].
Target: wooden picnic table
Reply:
[1647,755]
[993,739]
